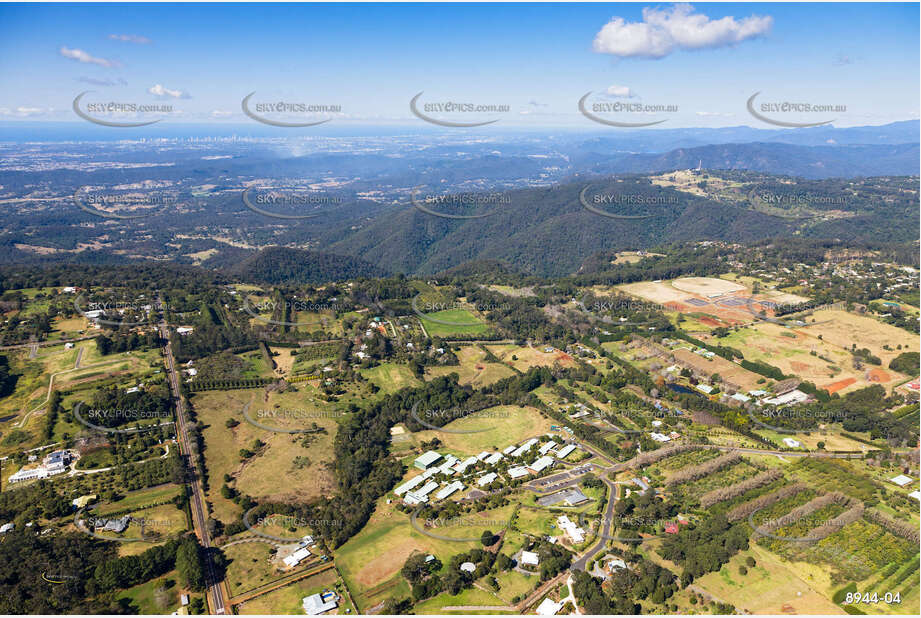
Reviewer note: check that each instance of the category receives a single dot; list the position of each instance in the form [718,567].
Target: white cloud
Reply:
[81,56]
[130,38]
[22,111]
[620,92]
[103,82]
[160,91]
[663,31]
[715,114]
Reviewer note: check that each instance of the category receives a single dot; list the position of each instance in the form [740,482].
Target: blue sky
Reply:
[538,59]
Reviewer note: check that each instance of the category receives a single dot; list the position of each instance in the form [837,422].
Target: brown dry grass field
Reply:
[676,293]
[272,473]
[530,357]
[705,286]
[729,371]
[791,350]
[768,588]
[473,368]
[287,600]
[284,361]
[631,257]
[501,426]
[376,554]
[846,329]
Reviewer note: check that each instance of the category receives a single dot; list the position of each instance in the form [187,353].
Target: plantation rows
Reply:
[833,475]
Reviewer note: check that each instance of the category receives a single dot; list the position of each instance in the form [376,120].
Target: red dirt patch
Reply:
[709,321]
[799,366]
[878,375]
[563,356]
[834,387]
[677,307]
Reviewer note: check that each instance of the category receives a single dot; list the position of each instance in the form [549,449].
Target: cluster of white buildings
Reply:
[420,488]
[300,554]
[55,463]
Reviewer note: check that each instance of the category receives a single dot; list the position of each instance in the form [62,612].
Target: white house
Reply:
[792,443]
[530,558]
[616,564]
[317,604]
[902,480]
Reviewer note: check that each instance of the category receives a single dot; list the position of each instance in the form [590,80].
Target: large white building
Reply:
[486,479]
[411,483]
[574,532]
[493,459]
[447,490]
[565,451]
[541,464]
[462,466]
[294,559]
[521,450]
[518,472]
[426,459]
[792,397]
[420,495]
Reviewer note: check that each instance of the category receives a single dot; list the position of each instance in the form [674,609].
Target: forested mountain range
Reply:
[548,231]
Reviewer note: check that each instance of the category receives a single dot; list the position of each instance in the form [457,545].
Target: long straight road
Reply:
[216,603]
